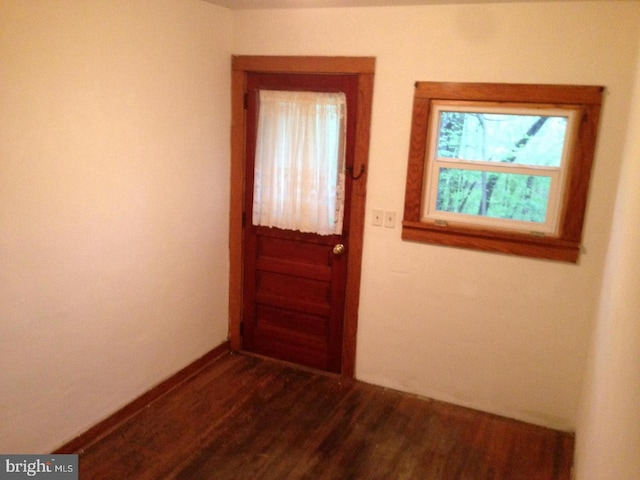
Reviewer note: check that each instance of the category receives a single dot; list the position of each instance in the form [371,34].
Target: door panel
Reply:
[294,285]
[294,292]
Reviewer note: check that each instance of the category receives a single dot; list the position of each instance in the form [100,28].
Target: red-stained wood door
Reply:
[293,282]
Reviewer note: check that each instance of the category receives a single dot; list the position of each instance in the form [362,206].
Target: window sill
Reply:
[551,248]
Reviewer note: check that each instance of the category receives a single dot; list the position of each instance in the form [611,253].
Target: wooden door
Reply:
[294,282]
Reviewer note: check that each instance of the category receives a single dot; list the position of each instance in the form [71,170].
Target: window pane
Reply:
[492,194]
[535,140]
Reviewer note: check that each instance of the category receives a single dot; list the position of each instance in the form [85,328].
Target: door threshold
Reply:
[293,365]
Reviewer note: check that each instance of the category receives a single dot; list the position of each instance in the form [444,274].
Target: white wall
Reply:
[114,148]
[608,430]
[500,333]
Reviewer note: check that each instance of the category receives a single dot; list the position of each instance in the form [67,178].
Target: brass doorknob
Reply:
[338,249]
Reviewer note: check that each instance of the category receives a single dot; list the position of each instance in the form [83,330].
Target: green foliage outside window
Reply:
[517,140]
[513,197]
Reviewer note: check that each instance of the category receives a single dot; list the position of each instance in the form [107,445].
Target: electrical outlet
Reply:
[378,215]
[390,219]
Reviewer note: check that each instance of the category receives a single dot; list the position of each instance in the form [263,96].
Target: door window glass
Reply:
[299,164]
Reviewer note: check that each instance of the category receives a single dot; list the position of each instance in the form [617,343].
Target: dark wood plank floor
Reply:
[247,418]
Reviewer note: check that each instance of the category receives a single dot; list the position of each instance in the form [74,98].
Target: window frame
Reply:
[564,243]
[556,174]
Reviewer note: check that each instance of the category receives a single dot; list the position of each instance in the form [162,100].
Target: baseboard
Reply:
[99,430]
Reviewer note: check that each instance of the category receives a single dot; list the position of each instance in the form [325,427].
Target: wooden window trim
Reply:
[563,247]
[364,68]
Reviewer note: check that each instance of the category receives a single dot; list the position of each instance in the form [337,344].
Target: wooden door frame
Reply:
[364,68]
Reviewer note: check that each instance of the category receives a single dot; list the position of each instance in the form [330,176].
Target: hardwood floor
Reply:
[243,417]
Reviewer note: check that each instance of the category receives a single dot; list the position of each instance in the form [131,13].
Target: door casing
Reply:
[364,68]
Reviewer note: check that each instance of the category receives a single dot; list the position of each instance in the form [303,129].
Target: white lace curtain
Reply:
[299,164]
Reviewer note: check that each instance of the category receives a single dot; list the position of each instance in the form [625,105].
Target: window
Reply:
[497,166]
[501,167]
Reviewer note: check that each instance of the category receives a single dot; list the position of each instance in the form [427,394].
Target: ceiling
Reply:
[247,4]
